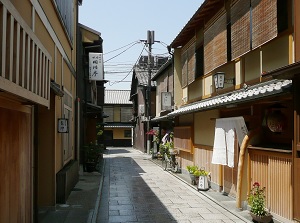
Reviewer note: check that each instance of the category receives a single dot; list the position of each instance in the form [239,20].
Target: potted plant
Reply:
[92,155]
[201,179]
[191,169]
[257,201]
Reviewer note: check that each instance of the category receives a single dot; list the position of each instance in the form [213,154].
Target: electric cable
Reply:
[121,52]
[121,47]
[115,82]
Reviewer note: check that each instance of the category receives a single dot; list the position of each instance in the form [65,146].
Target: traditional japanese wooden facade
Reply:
[256,44]
[37,88]
[90,92]
[118,123]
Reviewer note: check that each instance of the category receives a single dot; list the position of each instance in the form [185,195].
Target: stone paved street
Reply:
[137,190]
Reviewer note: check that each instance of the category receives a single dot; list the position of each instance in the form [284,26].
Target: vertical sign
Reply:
[96,66]
[166,101]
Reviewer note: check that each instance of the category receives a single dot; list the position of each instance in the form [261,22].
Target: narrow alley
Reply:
[135,189]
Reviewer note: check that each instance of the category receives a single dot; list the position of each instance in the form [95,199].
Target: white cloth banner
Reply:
[223,150]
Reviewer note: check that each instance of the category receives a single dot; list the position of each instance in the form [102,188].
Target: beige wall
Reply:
[24,8]
[275,54]
[51,13]
[88,36]
[252,65]
[119,133]
[208,82]
[204,127]
[195,89]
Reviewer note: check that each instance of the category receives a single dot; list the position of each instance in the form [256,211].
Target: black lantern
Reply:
[219,79]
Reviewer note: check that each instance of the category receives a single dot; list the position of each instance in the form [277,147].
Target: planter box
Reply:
[262,219]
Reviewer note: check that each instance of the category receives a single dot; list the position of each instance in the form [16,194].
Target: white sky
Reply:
[123,23]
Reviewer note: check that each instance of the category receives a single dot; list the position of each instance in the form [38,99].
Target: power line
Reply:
[121,52]
[121,47]
[130,70]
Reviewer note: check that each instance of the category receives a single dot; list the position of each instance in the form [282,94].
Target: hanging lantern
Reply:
[276,121]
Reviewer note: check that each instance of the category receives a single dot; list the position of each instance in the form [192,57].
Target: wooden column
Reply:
[296,150]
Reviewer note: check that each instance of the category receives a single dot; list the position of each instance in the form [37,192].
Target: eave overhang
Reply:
[250,93]
[205,12]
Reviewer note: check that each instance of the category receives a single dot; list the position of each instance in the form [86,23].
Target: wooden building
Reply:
[118,123]
[38,89]
[138,92]
[90,93]
[255,43]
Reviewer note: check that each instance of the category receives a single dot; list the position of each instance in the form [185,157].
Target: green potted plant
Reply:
[192,169]
[257,201]
[92,155]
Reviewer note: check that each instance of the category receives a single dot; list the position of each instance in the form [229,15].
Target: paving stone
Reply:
[138,190]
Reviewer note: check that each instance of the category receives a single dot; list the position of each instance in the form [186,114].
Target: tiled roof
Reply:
[117,97]
[246,94]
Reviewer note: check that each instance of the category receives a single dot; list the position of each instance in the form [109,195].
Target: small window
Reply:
[127,133]
[200,61]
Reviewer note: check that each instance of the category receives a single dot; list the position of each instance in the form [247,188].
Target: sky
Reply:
[123,24]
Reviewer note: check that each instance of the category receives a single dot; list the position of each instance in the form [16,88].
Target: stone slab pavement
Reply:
[135,189]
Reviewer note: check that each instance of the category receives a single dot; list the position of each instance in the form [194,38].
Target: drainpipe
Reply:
[244,146]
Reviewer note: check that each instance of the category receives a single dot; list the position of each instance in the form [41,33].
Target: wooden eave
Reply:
[205,12]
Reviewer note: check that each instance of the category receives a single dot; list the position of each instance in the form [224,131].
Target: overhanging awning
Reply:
[249,93]
[94,110]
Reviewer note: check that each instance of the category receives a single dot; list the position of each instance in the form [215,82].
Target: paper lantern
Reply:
[276,121]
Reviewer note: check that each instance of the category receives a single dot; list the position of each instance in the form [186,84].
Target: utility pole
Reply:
[150,41]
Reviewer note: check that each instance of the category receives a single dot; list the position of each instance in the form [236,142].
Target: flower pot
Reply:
[262,219]
[193,181]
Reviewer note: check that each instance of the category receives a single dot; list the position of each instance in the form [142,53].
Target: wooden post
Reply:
[244,146]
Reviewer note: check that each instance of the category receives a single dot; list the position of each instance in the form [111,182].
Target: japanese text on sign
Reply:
[96,66]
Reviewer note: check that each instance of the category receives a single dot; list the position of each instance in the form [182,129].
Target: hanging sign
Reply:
[166,101]
[96,72]
[63,126]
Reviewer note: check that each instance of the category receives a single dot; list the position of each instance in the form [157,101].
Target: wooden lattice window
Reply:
[183,139]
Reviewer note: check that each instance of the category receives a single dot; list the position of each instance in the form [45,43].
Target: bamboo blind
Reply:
[184,65]
[264,21]
[191,64]
[240,28]
[215,44]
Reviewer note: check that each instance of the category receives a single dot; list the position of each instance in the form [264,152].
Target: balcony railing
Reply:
[25,64]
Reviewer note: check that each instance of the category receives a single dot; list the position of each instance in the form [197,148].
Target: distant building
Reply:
[118,118]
